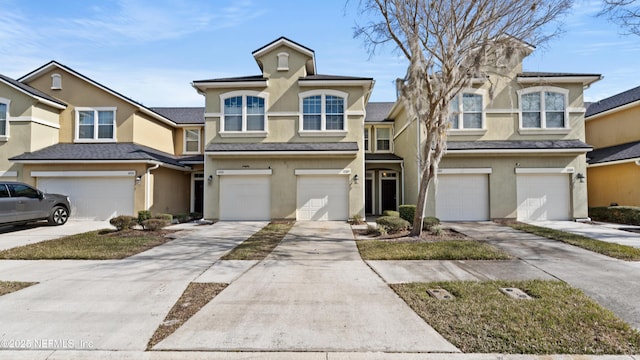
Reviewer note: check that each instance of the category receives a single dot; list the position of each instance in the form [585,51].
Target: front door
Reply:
[198,195]
[368,196]
[388,191]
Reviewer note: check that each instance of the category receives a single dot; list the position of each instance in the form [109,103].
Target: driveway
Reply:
[113,304]
[603,232]
[14,236]
[313,293]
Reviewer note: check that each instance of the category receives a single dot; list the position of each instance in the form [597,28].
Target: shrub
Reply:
[357,219]
[429,222]
[393,224]
[143,215]
[154,224]
[628,215]
[183,218]
[391,213]
[195,216]
[407,212]
[123,222]
[167,217]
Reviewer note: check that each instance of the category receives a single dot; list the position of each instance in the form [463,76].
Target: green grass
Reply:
[559,320]
[613,250]
[427,250]
[93,245]
[260,244]
[7,287]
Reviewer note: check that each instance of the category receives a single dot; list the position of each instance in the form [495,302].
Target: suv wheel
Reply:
[59,215]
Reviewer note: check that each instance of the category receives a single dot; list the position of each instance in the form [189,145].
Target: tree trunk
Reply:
[427,175]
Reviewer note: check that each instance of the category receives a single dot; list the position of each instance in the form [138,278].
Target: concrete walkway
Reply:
[313,293]
[604,232]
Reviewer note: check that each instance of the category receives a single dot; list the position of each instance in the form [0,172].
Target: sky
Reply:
[151,50]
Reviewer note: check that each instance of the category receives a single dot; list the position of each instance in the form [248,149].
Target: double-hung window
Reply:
[4,116]
[243,113]
[543,108]
[383,139]
[95,124]
[323,111]
[191,140]
[366,139]
[466,111]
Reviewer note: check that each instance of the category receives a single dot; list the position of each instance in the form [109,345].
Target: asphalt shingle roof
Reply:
[99,151]
[378,111]
[614,153]
[614,101]
[234,79]
[30,90]
[182,115]
[517,145]
[333,77]
[253,147]
[381,157]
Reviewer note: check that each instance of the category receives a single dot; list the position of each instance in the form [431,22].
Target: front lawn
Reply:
[429,250]
[558,320]
[613,250]
[93,245]
[7,287]
[260,244]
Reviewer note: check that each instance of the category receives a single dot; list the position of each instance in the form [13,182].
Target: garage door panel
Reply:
[245,198]
[93,197]
[322,198]
[543,197]
[462,197]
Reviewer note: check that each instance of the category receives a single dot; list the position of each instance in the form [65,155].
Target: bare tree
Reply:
[449,43]
[625,13]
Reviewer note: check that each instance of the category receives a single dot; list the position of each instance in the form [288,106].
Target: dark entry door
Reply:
[198,194]
[368,192]
[388,194]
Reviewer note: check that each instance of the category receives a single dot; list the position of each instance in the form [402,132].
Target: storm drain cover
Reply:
[440,294]
[516,293]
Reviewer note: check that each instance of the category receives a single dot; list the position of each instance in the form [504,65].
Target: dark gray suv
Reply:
[21,203]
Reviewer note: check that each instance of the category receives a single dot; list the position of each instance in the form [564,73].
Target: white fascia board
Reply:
[610,111]
[126,173]
[311,83]
[617,162]
[566,170]
[276,153]
[245,172]
[322,172]
[585,80]
[8,173]
[465,171]
[520,151]
[150,162]
[202,86]
[290,44]
[383,161]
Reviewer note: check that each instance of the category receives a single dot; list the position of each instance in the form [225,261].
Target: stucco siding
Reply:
[614,184]
[620,127]
[170,189]
[152,133]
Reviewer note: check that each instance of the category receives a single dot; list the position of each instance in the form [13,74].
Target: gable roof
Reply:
[182,115]
[624,98]
[311,65]
[54,64]
[378,111]
[33,92]
[628,151]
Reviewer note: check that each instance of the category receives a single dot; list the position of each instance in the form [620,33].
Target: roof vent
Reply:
[283,61]
[56,82]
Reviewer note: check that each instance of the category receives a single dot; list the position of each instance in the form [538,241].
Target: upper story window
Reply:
[243,113]
[366,139]
[383,139]
[323,111]
[95,124]
[191,140]
[4,116]
[543,108]
[466,111]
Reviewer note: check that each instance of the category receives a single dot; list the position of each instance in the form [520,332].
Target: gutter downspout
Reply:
[402,183]
[148,188]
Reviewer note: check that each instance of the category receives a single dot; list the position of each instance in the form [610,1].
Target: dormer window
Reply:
[283,61]
[56,82]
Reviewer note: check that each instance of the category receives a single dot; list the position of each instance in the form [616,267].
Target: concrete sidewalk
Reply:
[313,293]
[604,232]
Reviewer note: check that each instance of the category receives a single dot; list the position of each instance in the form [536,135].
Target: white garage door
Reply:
[543,196]
[323,197]
[245,197]
[97,198]
[462,197]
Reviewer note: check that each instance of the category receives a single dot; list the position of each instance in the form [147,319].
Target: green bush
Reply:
[154,224]
[628,215]
[407,212]
[429,222]
[393,224]
[183,218]
[391,213]
[195,216]
[167,217]
[123,222]
[143,215]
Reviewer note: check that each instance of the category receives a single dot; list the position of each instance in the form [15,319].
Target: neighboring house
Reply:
[286,143]
[613,129]
[110,154]
[518,155]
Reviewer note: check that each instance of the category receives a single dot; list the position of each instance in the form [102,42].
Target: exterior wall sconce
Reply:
[210,179]
[138,179]
[580,177]
[355,178]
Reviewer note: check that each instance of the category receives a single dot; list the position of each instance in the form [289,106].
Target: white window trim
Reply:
[95,124]
[375,139]
[323,127]
[6,135]
[184,140]
[244,132]
[367,141]
[543,116]
[473,131]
